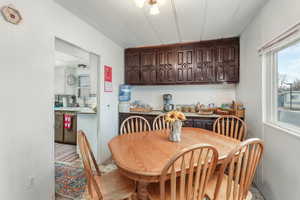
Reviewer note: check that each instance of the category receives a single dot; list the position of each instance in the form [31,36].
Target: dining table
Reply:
[142,156]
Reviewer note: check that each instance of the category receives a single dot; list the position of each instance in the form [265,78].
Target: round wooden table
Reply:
[142,156]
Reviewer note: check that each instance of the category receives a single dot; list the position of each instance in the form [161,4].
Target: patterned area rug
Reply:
[70,181]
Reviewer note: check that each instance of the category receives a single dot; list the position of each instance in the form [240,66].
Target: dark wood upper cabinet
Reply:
[205,62]
[132,68]
[148,67]
[204,69]
[184,64]
[165,70]
[227,61]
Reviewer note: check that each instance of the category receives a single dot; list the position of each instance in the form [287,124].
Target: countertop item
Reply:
[80,110]
[124,106]
[158,112]
[139,155]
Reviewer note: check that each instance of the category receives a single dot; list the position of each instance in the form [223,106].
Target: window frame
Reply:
[270,83]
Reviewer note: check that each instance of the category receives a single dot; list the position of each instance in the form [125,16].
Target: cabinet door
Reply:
[184,65]
[188,123]
[132,68]
[204,71]
[70,135]
[209,125]
[148,67]
[59,127]
[149,118]
[204,124]
[166,66]
[227,63]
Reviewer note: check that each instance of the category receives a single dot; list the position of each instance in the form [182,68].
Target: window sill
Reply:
[284,128]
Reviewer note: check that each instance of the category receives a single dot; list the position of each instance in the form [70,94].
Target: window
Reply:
[288,65]
[282,84]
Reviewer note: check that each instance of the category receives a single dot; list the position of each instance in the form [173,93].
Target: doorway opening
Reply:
[75,107]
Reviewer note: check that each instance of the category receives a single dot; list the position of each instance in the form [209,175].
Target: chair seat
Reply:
[113,186]
[222,193]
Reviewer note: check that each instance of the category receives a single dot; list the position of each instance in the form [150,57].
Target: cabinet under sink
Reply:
[62,134]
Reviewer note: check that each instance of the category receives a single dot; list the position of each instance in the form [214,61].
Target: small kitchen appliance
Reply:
[167,100]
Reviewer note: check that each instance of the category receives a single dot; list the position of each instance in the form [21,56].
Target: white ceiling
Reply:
[63,60]
[178,21]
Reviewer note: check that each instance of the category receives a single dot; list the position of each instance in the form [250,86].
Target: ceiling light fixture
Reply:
[140,3]
[154,9]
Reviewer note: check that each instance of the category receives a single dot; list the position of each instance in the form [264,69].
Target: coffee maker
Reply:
[167,99]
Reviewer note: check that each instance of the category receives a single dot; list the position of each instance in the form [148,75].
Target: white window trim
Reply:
[270,77]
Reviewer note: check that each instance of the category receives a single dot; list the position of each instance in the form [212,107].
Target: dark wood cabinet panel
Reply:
[148,67]
[205,62]
[204,123]
[184,65]
[188,123]
[59,127]
[132,68]
[227,62]
[204,69]
[166,66]
[221,72]
[63,135]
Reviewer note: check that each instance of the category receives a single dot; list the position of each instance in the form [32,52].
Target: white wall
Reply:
[59,80]
[185,94]
[27,89]
[278,177]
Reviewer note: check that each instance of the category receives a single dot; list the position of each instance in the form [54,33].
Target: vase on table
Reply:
[175,133]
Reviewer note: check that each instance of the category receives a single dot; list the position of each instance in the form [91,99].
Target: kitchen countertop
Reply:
[79,110]
[157,112]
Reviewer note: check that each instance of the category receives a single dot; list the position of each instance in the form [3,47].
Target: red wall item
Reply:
[108,79]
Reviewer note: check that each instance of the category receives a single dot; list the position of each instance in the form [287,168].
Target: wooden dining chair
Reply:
[160,123]
[186,175]
[231,126]
[134,124]
[233,180]
[110,186]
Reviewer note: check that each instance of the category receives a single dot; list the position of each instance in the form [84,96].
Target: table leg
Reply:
[142,191]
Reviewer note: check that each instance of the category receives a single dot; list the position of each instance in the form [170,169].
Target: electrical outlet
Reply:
[31,182]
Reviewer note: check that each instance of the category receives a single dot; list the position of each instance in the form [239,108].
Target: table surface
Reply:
[144,154]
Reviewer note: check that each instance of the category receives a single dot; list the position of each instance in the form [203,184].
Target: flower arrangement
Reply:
[172,116]
[175,118]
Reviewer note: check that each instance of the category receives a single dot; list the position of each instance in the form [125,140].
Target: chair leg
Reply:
[129,198]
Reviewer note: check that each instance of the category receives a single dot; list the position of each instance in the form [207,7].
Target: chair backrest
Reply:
[240,167]
[160,123]
[89,163]
[231,126]
[134,124]
[188,172]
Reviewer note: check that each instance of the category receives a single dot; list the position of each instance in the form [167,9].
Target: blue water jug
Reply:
[125,93]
